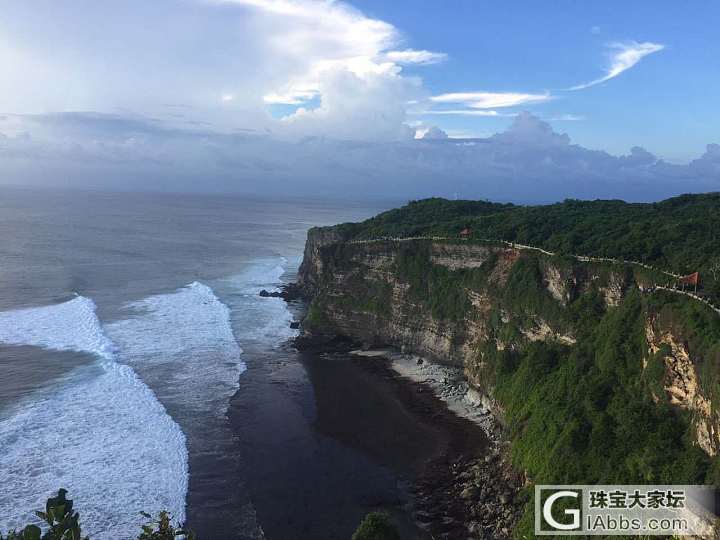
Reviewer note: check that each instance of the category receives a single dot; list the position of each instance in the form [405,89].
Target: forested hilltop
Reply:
[599,371]
[681,234]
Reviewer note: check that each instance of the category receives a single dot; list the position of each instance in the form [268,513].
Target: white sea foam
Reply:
[259,319]
[186,339]
[102,434]
[70,326]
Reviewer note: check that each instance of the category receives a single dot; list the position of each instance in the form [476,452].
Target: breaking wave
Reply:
[259,319]
[183,345]
[101,434]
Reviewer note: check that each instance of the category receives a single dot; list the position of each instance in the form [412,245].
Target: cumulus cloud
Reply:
[707,165]
[356,107]
[432,132]
[626,55]
[529,130]
[222,62]
[347,62]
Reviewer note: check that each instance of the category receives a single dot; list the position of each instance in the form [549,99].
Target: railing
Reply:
[581,258]
[691,295]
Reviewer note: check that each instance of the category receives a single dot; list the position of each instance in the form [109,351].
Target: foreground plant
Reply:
[162,529]
[64,524]
[376,526]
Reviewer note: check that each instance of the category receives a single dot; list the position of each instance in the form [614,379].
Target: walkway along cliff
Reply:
[595,373]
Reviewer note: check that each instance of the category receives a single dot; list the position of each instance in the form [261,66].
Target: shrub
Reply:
[162,529]
[64,524]
[376,526]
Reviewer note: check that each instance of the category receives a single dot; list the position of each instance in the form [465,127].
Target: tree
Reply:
[715,268]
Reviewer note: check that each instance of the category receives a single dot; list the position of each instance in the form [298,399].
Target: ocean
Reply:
[141,371]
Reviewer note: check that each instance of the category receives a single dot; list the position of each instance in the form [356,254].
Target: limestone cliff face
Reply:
[460,303]
[311,269]
[362,293]
[362,298]
[682,383]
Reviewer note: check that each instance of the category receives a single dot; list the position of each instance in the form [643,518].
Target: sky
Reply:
[492,99]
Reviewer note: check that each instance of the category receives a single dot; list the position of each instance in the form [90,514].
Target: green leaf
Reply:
[31,532]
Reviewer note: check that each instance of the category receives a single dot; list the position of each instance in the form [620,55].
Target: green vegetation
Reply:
[426,217]
[681,234]
[440,289]
[701,330]
[595,411]
[376,526]
[64,524]
[163,529]
[591,413]
[315,316]
[587,413]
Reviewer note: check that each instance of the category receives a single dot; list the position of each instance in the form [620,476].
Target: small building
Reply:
[691,280]
[465,233]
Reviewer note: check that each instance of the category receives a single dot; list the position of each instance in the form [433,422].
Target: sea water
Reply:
[122,320]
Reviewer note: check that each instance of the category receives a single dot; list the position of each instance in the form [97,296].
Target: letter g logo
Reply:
[550,520]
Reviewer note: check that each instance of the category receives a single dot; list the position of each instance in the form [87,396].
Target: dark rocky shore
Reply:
[464,488]
[467,490]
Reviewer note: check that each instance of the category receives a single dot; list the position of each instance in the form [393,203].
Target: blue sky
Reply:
[225,94]
[667,103]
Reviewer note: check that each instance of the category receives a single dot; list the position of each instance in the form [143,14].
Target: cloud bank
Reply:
[279,96]
[528,162]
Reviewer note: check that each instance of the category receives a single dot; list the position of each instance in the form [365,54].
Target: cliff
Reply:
[595,375]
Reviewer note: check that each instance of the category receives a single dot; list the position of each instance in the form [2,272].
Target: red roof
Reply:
[690,279]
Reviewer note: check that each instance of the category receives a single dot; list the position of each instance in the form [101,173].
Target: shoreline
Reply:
[447,382]
[470,491]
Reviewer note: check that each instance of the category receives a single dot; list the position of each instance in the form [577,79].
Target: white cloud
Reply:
[491,100]
[292,97]
[193,53]
[466,112]
[430,132]
[345,60]
[411,56]
[567,118]
[625,57]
